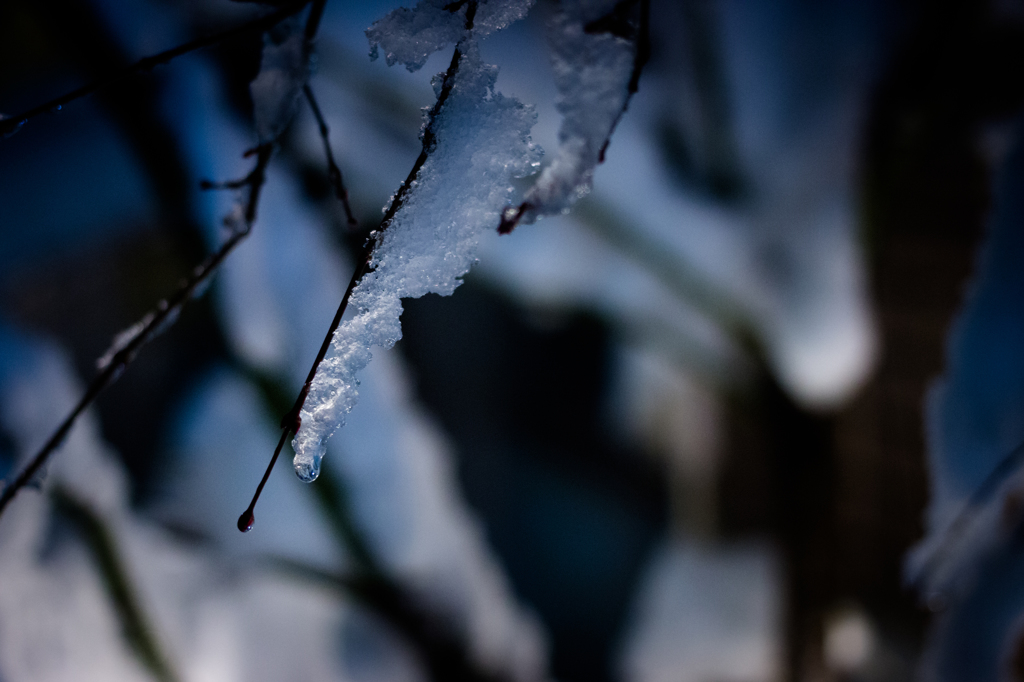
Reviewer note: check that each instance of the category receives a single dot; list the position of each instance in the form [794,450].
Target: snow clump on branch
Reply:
[410,36]
[482,143]
[594,50]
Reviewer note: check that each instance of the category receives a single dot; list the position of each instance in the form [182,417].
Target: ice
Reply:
[592,72]
[482,142]
[410,36]
[284,70]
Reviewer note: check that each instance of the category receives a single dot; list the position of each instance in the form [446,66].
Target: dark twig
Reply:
[640,58]
[333,172]
[155,322]
[223,184]
[616,24]
[167,310]
[248,517]
[292,421]
[247,181]
[12,124]
[316,12]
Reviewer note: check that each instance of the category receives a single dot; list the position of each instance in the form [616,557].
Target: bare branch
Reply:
[165,313]
[643,54]
[291,422]
[114,363]
[12,124]
[333,172]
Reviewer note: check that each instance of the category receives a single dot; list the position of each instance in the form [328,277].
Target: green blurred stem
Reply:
[102,545]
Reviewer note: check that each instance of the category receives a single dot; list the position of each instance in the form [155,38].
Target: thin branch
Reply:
[11,125]
[612,23]
[333,172]
[640,59]
[313,20]
[291,422]
[165,313]
[223,184]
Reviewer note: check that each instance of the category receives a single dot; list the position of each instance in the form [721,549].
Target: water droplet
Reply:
[307,469]
[246,520]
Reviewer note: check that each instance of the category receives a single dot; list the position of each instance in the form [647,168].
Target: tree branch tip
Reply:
[511,216]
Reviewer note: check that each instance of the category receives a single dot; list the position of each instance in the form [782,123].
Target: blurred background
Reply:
[751,412]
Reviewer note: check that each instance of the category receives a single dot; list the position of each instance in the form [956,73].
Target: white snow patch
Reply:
[482,143]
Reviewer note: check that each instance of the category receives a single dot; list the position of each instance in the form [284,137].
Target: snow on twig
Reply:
[410,36]
[598,51]
[291,422]
[475,141]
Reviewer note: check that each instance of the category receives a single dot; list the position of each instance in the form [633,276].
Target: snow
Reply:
[400,475]
[706,613]
[410,36]
[482,143]
[57,621]
[592,73]
[284,70]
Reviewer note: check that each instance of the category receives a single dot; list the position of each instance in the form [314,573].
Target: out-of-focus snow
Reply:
[482,143]
[975,411]
[403,486]
[284,70]
[57,621]
[706,613]
[975,429]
